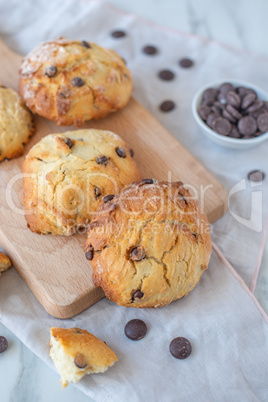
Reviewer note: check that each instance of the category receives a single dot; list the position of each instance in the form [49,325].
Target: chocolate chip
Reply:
[150,50]
[107,198]
[228,116]
[210,119]
[97,191]
[182,200]
[3,344]
[245,91]
[248,100]
[81,229]
[259,112]
[234,112]
[219,105]
[80,361]
[85,44]
[207,102]
[167,106]
[68,142]
[102,160]
[234,132]
[210,94]
[89,253]
[233,99]
[137,254]
[149,181]
[121,152]
[216,110]
[138,295]
[226,87]
[222,126]
[78,82]
[135,329]
[186,63]
[118,34]
[180,348]
[262,122]
[204,111]
[247,125]
[51,71]
[131,153]
[256,175]
[257,105]
[166,75]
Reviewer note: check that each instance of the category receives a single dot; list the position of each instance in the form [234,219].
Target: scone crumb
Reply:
[75,353]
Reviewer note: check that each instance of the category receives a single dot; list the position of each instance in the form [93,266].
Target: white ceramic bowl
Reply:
[234,143]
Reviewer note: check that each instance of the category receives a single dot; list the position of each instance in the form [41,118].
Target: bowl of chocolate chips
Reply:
[233,114]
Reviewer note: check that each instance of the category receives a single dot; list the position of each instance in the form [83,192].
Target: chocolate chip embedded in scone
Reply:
[69,175]
[16,124]
[5,262]
[137,253]
[70,82]
[76,353]
[151,244]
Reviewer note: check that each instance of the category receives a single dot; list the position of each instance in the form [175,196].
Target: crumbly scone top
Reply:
[68,174]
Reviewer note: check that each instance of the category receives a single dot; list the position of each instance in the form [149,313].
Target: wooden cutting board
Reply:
[54,267]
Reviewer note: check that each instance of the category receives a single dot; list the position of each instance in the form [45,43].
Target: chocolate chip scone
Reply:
[76,352]
[67,176]
[16,124]
[149,245]
[70,82]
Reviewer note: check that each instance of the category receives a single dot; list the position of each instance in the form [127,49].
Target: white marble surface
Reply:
[240,23]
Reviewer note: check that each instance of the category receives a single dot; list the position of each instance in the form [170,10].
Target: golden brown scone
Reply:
[5,262]
[70,82]
[75,353]
[149,245]
[68,175]
[16,124]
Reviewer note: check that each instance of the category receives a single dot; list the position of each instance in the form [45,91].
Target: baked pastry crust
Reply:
[67,175]
[5,262]
[76,353]
[16,124]
[149,245]
[70,82]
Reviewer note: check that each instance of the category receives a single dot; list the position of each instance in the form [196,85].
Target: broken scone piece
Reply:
[5,262]
[76,352]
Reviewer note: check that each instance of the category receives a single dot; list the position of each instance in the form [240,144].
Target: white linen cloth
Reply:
[220,317]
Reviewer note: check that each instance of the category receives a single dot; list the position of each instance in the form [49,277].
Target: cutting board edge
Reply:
[220,210]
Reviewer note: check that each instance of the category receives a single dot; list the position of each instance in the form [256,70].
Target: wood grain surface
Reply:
[54,267]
